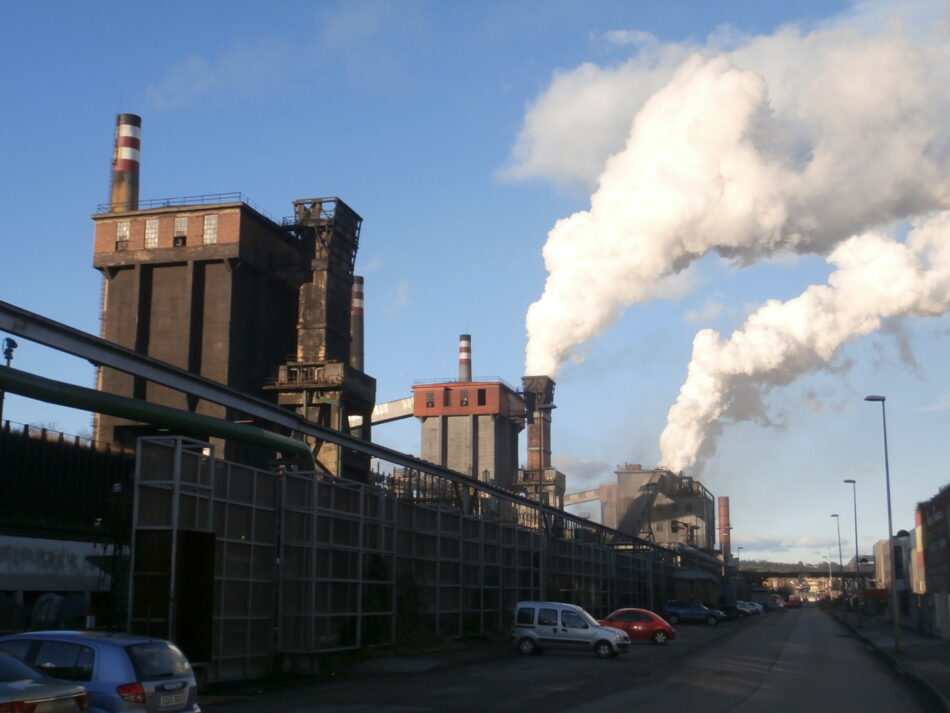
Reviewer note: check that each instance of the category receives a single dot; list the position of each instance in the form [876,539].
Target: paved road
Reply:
[793,661]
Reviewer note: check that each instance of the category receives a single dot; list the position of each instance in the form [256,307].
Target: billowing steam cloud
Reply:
[792,142]
[876,278]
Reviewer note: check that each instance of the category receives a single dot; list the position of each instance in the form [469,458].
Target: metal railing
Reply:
[184,201]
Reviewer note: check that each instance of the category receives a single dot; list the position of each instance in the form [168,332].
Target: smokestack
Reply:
[539,402]
[465,357]
[356,324]
[724,529]
[125,163]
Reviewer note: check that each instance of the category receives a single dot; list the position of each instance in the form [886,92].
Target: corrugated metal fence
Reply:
[251,570]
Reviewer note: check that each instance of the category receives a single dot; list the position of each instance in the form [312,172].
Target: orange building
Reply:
[471,425]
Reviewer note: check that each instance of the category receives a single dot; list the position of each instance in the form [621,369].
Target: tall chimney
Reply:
[539,402]
[125,163]
[465,358]
[725,539]
[356,324]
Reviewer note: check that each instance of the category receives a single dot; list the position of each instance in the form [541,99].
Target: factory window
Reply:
[211,230]
[181,225]
[481,396]
[463,397]
[151,233]
[447,397]
[122,230]
[430,399]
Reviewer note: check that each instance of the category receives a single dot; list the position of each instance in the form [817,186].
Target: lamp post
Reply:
[840,564]
[854,493]
[895,611]
[8,346]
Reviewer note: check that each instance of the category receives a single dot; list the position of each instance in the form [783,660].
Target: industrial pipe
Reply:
[185,422]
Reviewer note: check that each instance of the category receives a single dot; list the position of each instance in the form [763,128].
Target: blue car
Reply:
[692,612]
[123,673]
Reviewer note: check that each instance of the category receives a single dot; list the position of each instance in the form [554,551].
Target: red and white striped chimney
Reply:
[356,324]
[125,163]
[465,357]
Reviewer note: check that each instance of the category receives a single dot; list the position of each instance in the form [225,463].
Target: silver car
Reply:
[123,673]
[24,689]
[541,625]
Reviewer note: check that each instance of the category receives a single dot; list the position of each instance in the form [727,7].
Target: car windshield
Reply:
[157,659]
[591,621]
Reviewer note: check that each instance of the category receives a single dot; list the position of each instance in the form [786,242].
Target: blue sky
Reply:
[463,132]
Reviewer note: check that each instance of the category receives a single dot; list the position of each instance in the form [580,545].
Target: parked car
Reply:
[743,610]
[122,672]
[540,625]
[692,611]
[24,689]
[755,606]
[641,625]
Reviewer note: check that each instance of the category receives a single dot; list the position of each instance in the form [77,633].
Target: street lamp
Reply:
[8,346]
[840,564]
[895,611]
[854,493]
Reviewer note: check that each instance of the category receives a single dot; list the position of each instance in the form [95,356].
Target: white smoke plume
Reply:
[876,278]
[790,142]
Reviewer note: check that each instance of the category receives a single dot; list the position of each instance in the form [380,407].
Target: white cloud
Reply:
[398,299]
[246,71]
[942,403]
[785,543]
[711,310]
[584,116]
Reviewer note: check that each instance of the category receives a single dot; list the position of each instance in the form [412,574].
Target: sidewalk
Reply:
[458,654]
[925,659]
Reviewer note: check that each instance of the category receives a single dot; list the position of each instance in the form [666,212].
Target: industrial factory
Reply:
[256,476]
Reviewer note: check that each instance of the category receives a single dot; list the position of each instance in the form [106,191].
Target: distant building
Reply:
[657,505]
[933,545]
[470,425]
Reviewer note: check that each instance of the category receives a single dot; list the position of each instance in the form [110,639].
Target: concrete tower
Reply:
[470,425]
[213,286]
[325,382]
[538,479]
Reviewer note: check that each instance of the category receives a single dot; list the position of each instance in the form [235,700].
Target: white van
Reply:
[540,625]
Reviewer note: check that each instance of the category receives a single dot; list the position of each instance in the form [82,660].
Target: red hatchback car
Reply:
[641,625]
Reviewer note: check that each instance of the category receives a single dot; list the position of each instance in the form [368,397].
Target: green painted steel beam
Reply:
[184,422]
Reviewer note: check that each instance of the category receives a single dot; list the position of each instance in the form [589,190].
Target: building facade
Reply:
[215,287]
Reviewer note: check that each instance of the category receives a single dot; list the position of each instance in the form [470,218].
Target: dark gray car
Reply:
[24,689]
[123,673]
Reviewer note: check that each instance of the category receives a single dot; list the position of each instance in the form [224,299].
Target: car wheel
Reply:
[673,619]
[528,647]
[712,621]
[660,637]
[603,649]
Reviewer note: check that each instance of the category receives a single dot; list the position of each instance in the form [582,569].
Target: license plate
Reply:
[172,699]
